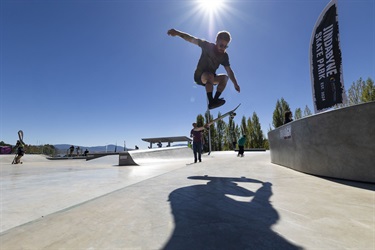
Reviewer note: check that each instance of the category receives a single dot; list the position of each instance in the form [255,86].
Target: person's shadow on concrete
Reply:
[206,218]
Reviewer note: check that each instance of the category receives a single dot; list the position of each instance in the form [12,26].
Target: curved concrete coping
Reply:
[160,154]
[125,159]
[338,143]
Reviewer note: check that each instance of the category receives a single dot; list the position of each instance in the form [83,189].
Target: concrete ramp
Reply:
[172,153]
[140,157]
[104,160]
[338,144]
[125,159]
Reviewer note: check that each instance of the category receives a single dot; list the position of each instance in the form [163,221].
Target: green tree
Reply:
[244,126]
[257,133]
[223,135]
[266,144]
[250,134]
[298,114]
[49,150]
[368,92]
[231,136]
[355,92]
[278,115]
[361,91]
[200,120]
[2,143]
[307,111]
[220,128]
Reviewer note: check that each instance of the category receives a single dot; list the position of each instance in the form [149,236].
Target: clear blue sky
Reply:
[99,72]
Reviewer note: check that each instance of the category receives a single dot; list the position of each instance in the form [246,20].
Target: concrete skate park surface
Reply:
[339,143]
[225,202]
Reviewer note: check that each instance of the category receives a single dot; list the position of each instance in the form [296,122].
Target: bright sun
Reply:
[210,5]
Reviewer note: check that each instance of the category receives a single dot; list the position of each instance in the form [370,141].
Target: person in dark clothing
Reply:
[241,145]
[197,143]
[20,151]
[288,117]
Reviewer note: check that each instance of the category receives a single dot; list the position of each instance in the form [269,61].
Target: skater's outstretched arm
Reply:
[206,126]
[183,35]
[232,78]
[199,128]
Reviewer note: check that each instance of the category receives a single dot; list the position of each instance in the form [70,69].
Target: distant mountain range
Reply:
[63,148]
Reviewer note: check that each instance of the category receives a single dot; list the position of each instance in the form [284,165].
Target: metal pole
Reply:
[209,130]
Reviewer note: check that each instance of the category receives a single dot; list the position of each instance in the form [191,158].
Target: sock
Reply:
[217,95]
[209,96]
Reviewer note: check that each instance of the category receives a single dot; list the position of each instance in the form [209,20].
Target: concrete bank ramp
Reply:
[172,153]
[139,157]
[339,144]
[109,159]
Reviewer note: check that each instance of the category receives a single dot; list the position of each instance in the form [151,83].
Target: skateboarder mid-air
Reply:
[213,55]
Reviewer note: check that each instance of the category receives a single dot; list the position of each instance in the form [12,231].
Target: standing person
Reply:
[71,150]
[288,117]
[20,151]
[241,144]
[213,55]
[197,143]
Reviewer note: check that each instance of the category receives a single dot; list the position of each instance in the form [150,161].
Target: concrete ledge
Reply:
[92,156]
[163,153]
[338,144]
[125,159]
[67,158]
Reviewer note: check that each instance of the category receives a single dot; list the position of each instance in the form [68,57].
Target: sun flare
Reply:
[210,5]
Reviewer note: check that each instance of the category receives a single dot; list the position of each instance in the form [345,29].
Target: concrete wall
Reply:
[338,144]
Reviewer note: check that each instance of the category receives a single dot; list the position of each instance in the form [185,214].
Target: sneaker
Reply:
[216,103]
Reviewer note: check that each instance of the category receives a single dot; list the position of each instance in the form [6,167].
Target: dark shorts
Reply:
[198,79]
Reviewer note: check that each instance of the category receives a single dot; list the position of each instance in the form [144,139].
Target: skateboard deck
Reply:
[230,113]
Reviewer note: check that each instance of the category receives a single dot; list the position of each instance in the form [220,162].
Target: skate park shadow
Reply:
[209,216]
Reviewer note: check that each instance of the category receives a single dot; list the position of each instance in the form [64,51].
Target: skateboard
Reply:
[230,113]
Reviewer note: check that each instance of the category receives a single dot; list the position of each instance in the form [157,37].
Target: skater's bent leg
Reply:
[18,159]
[209,87]
[221,81]
[208,80]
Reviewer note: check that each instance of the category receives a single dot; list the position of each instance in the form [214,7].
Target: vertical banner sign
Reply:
[325,61]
